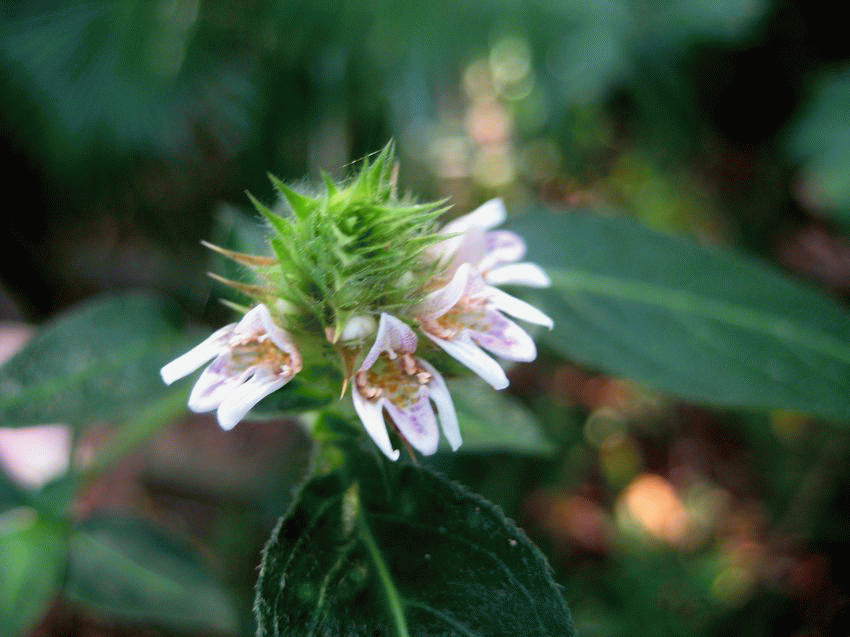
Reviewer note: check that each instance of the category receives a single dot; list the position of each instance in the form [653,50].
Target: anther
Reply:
[409,363]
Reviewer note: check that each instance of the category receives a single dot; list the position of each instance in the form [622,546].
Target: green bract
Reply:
[354,249]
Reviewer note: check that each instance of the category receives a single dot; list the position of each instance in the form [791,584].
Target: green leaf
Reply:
[33,555]
[420,557]
[491,420]
[301,204]
[710,325]
[10,494]
[129,569]
[821,141]
[98,360]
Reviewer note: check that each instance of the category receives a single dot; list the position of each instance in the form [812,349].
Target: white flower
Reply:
[492,253]
[466,315]
[392,379]
[253,358]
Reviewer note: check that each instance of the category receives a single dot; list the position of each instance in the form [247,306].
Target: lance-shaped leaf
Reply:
[33,556]
[413,556]
[97,360]
[129,569]
[493,421]
[704,323]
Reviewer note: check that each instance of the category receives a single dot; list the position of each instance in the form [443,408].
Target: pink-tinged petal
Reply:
[441,301]
[501,246]
[213,386]
[372,416]
[197,356]
[278,336]
[528,274]
[244,396]
[487,216]
[470,247]
[393,337]
[33,456]
[506,339]
[417,423]
[520,309]
[254,321]
[469,354]
[439,393]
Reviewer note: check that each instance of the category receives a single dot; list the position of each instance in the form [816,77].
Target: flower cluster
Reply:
[356,273]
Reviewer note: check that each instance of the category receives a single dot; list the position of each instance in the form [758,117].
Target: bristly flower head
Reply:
[355,269]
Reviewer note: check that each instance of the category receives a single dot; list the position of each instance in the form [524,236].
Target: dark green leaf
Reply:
[10,494]
[821,141]
[33,554]
[420,557]
[713,326]
[129,569]
[491,420]
[98,360]
[316,387]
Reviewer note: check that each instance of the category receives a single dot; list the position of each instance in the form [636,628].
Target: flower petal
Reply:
[278,336]
[528,274]
[393,336]
[505,338]
[372,416]
[441,301]
[487,216]
[520,309]
[417,423]
[468,353]
[244,396]
[501,246]
[212,386]
[439,393]
[197,356]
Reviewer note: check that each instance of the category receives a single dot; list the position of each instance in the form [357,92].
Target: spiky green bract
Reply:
[354,249]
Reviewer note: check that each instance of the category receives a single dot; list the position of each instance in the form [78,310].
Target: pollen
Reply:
[398,378]
[259,351]
[469,313]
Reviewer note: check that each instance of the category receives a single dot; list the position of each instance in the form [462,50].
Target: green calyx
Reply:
[356,249]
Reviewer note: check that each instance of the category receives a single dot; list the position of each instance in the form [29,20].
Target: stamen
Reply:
[409,363]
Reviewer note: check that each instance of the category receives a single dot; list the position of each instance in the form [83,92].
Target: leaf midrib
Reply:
[56,384]
[681,301]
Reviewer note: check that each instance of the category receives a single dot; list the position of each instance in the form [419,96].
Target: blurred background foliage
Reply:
[131,130]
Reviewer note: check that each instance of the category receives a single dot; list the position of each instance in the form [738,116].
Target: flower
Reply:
[466,315]
[253,358]
[492,253]
[392,379]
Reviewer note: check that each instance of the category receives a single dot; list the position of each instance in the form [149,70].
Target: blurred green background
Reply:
[131,130]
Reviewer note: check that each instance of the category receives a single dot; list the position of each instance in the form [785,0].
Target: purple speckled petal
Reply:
[506,339]
[439,393]
[214,383]
[519,309]
[394,337]
[501,246]
[417,423]
[468,353]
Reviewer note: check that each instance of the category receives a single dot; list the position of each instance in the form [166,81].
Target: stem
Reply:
[393,597]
